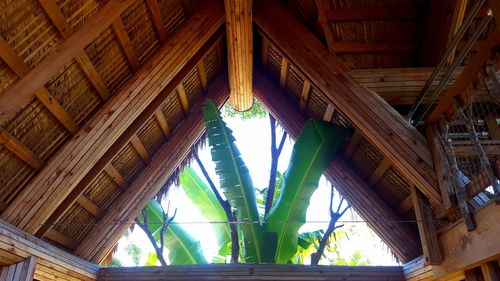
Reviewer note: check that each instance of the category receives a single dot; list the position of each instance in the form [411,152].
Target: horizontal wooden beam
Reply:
[106,233]
[24,89]
[239,37]
[17,245]
[463,250]
[372,208]
[373,14]
[388,131]
[61,239]
[77,158]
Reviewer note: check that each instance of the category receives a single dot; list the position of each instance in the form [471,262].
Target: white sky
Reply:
[253,140]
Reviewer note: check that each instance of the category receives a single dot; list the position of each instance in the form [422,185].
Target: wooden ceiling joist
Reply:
[115,175]
[162,122]
[374,47]
[107,232]
[139,147]
[154,11]
[239,36]
[52,262]
[125,43]
[20,150]
[24,89]
[113,119]
[356,190]
[372,14]
[380,123]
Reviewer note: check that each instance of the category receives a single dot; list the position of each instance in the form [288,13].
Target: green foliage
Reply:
[316,145]
[256,112]
[204,198]
[183,248]
[115,263]
[135,252]
[235,181]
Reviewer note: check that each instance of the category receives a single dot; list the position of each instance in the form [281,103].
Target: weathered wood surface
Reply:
[418,270]
[372,208]
[239,36]
[40,198]
[128,205]
[21,271]
[463,250]
[52,263]
[377,120]
[244,272]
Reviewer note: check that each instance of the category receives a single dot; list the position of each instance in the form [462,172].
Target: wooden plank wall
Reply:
[418,270]
[51,263]
[21,271]
[243,272]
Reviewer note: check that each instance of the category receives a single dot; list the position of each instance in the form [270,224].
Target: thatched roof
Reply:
[92,92]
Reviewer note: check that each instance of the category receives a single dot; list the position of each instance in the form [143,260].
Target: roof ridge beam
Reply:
[31,209]
[377,120]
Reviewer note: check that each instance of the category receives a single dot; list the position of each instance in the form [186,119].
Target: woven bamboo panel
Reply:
[7,77]
[109,60]
[275,59]
[151,135]
[75,223]
[128,163]
[102,191]
[14,174]
[139,26]
[172,110]
[393,187]
[172,14]
[27,30]
[317,104]
[77,12]
[192,85]
[213,60]
[37,129]
[366,157]
[73,91]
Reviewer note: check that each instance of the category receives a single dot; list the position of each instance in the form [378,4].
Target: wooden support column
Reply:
[106,233]
[426,229]
[52,263]
[61,176]
[378,215]
[239,33]
[379,122]
[462,250]
[24,89]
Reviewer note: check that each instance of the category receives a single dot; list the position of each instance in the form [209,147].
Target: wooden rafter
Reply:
[323,6]
[125,43]
[139,147]
[101,239]
[357,191]
[353,143]
[154,11]
[89,205]
[20,150]
[181,95]
[162,122]
[115,175]
[24,89]
[113,119]
[379,171]
[8,55]
[61,239]
[239,39]
[202,74]
[372,14]
[380,123]
[375,47]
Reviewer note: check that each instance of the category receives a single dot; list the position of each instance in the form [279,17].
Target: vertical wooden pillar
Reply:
[491,271]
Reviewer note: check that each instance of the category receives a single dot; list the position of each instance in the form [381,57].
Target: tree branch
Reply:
[275,154]
[235,247]
[144,226]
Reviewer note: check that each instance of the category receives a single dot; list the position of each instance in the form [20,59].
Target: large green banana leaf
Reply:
[235,181]
[314,148]
[204,199]
[182,247]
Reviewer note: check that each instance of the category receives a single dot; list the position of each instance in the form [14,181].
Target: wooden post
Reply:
[426,229]
[491,271]
[439,158]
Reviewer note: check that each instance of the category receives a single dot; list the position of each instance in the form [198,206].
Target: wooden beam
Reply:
[162,122]
[115,175]
[426,229]
[491,271]
[373,14]
[379,171]
[51,260]
[125,43]
[181,94]
[42,94]
[466,77]
[61,239]
[463,250]
[389,132]
[330,109]
[283,73]
[20,150]
[56,17]
[405,205]
[202,74]
[439,159]
[304,96]
[105,234]
[353,143]
[22,271]
[24,89]
[239,37]
[139,148]
[77,158]
[372,208]
[456,22]
[90,206]
[375,47]
[324,6]
[91,73]
[154,11]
